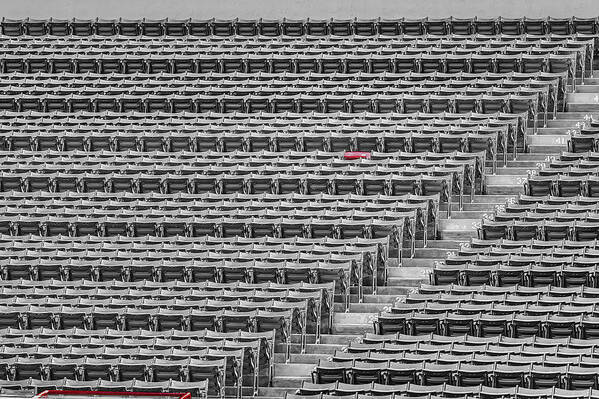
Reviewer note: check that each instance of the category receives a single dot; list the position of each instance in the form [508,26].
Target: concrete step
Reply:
[587,87]
[574,115]
[505,188]
[463,214]
[432,253]
[411,272]
[458,229]
[274,392]
[325,339]
[521,170]
[582,97]
[505,184]
[431,244]
[414,262]
[528,157]
[587,107]
[492,198]
[368,307]
[562,123]
[353,323]
[394,289]
[466,207]
[308,358]
[293,369]
[522,164]
[291,382]
[315,349]
[554,130]
[380,298]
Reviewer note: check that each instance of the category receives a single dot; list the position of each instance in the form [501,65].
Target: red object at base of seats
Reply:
[356,155]
[50,392]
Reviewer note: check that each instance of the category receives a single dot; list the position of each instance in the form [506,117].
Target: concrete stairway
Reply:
[543,145]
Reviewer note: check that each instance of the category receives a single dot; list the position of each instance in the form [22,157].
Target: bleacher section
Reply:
[228,207]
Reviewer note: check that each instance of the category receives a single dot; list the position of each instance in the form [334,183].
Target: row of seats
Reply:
[583,291]
[256,361]
[276,120]
[459,374]
[516,230]
[372,341]
[155,319]
[309,79]
[552,61]
[482,354]
[55,368]
[504,275]
[411,139]
[362,391]
[296,27]
[382,45]
[198,389]
[513,324]
[439,304]
[516,103]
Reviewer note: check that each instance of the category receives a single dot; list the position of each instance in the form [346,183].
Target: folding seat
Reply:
[12,63]
[461,26]
[81,27]
[517,26]
[133,27]
[211,370]
[348,27]
[10,317]
[152,27]
[28,103]
[35,27]
[100,103]
[441,26]
[385,104]
[592,186]
[390,27]
[584,231]
[24,368]
[105,27]
[206,104]
[488,26]
[194,27]
[60,368]
[398,373]
[134,369]
[584,25]
[268,27]
[326,372]
[12,27]
[173,27]
[540,185]
[114,386]
[36,63]
[231,64]
[559,26]
[578,378]
[290,27]
[569,186]
[316,27]
[231,104]
[205,64]
[472,375]
[542,276]
[102,318]
[436,374]
[223,27]
[196,389]
[505,376]
[331,64]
